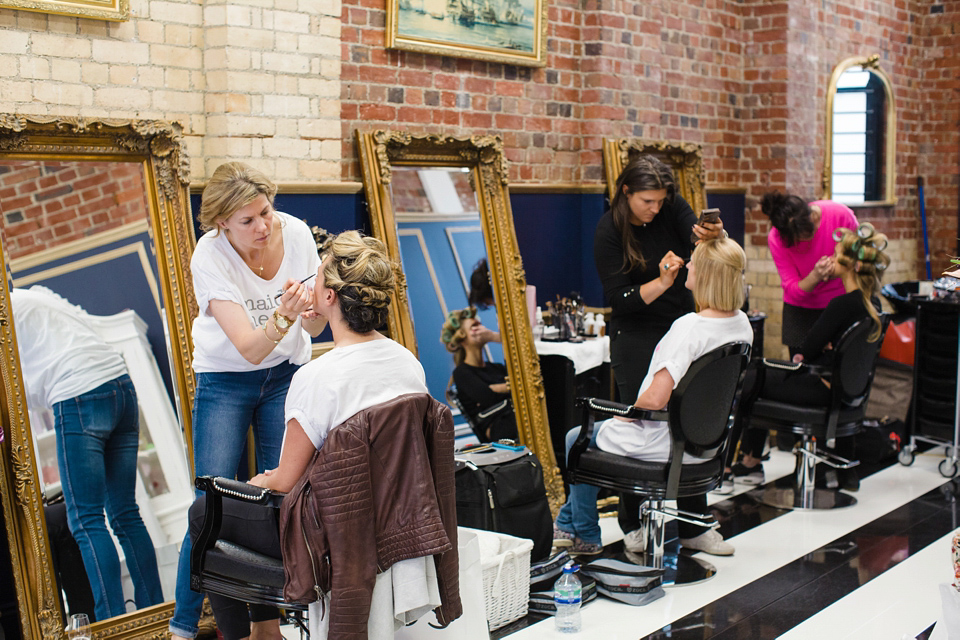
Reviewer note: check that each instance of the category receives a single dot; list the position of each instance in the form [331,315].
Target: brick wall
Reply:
[937,127]
[46,204]
[249,80]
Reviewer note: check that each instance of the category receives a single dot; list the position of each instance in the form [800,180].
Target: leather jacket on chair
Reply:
[380,490]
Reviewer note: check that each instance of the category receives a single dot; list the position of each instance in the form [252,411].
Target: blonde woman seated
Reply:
[482,387]
[715,276]
[363,369]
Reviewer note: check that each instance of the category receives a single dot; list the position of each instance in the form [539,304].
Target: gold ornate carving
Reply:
[381,150]
[685,158]
[158,147]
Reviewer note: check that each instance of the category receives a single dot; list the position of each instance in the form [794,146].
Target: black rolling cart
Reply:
[935,415]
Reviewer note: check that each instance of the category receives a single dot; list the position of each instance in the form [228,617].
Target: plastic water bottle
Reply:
[566,596]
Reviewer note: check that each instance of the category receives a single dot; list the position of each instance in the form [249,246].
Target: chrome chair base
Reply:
[785,494]
[680,568]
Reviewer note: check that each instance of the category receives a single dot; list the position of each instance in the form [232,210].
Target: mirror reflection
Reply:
[88,315]
[450,296]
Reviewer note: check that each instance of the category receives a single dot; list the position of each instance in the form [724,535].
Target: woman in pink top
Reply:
[801,243]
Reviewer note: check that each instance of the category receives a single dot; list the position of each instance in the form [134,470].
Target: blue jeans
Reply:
[225,405]
[98,435]
[579,515]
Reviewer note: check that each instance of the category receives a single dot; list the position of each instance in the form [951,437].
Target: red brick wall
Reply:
[937,126]
[747,79]
[46,204]
[615,68]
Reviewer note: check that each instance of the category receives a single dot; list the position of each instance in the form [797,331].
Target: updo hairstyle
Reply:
[453,334]
[719,265]
[357,268]
[232,186]
[790,215]
[645,173]
[863,251]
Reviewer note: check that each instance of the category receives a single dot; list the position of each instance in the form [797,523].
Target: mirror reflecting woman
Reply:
[482,387]
[67,366]
[251,335]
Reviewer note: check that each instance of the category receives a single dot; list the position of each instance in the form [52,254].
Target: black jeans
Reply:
[252,526]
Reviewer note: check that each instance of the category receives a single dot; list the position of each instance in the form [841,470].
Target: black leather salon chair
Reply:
[453,399]
[221,567]
[700,415]
[850,377]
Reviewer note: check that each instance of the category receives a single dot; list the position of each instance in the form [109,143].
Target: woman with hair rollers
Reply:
[858,262]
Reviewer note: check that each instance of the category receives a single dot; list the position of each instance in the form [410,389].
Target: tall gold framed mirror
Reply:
[859,160]
[96,212]
[461,186]
[685,158]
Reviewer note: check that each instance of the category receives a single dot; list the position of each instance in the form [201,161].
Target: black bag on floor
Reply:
[879,440]
[502,490]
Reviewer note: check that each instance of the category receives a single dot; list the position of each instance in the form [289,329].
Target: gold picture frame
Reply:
[507,31]
[685,158]
[381,150]
[111,10]
[158,148]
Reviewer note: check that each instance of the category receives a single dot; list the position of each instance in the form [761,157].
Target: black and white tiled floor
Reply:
[868,572]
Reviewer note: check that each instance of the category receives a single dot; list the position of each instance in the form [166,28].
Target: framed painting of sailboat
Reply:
[508,31]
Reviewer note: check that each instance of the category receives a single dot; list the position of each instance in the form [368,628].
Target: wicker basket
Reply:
[505,566]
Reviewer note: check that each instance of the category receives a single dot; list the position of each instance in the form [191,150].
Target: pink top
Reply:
[796,262]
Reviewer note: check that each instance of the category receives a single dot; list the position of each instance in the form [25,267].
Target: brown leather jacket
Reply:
[379,490]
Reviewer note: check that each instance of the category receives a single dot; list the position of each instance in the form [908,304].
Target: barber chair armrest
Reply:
[820,370]
[617,409]
[238,490]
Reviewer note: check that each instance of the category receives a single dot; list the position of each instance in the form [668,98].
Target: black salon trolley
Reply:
[935,418]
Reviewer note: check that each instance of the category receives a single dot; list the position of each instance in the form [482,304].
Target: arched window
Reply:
[861,134]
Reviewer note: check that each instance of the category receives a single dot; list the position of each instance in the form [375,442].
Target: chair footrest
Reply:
[700,519]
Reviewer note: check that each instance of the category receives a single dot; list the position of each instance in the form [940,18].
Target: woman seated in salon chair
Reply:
[482,387]
[363,370]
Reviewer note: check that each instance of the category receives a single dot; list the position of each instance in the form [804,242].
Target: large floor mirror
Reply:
[441,204]
[94,214]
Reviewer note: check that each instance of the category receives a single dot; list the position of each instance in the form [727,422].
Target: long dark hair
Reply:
[789,215]
[646,173]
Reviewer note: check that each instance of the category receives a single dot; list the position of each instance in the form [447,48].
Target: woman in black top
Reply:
[858,261]
[640,247]
[482,388]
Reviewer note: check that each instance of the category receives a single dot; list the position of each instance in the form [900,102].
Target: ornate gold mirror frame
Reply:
[158,148]
[871,64]
[685,158]
[381,150]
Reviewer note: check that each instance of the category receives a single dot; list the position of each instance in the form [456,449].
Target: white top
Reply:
[219,273]
[345,380]
[689,337]
[61,356]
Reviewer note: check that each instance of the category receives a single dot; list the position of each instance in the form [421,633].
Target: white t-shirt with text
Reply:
[219,273]
[689,337]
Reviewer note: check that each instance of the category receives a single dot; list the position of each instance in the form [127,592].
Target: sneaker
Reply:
[581,548]
[709,542]
[561,538]
[748,475]
[635,541]
[726,486]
